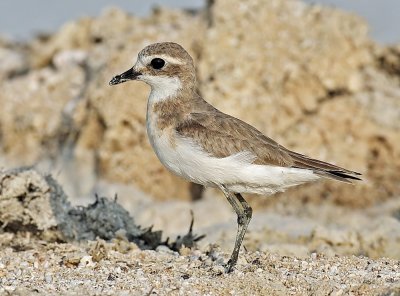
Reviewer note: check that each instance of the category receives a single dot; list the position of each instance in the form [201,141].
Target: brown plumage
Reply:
[219,134]
[222,135]
[200,143]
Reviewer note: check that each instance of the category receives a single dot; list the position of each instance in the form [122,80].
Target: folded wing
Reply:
[222,135]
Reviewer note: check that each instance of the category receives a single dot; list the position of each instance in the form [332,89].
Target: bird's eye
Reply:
[157,63]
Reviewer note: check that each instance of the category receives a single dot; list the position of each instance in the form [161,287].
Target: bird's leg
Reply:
[244,217]
[244,213]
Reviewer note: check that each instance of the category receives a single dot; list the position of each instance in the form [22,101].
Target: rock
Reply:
[281,58]
[12,62]
[67,58]
[34,205]
[30,202]
[48,278]
[33,121]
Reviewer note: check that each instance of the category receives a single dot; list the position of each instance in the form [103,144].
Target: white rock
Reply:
[11,61]
[48,278]
[69,57]
[86,261]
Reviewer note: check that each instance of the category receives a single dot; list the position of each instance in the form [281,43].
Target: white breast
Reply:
[162,146]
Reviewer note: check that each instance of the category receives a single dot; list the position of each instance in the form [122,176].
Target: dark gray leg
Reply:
[244,213]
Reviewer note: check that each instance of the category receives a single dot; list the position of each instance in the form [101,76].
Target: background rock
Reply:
[308,76]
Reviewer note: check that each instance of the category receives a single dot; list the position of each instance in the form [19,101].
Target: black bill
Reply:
[126,76]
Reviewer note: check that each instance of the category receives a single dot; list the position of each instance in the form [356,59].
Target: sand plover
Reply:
[196,141]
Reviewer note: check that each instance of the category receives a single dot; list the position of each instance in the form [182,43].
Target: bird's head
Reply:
[162,66]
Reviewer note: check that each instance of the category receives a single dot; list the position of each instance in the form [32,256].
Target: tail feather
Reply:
[338,176]
[324,169]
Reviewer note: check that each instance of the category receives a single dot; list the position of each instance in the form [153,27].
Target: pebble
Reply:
[313,256]
[164,249]
[48,278]
[333,270]
[304,264]
[86,261]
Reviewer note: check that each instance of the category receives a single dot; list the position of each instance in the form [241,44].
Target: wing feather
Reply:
[222,135]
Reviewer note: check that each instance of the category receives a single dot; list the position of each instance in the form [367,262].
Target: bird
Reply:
[198,142]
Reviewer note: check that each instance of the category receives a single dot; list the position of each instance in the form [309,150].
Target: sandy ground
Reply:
[67,269]
[291,248]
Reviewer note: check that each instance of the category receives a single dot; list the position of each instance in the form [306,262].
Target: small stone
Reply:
[304,264]
[72,261]
[164,249]
[333,270]
[184,251]
[86,261]
[48,278]
[111,277]
[18,272]
[313,256]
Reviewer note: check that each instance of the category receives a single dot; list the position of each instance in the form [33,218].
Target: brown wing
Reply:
[222,135]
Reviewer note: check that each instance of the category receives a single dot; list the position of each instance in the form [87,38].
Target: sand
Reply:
[69,269]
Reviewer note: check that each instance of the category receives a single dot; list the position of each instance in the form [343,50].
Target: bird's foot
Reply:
[230,266]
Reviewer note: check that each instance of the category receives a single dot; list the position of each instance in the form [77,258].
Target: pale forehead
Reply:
[169,51]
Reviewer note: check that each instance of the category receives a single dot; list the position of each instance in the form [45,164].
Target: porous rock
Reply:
[33,203]
[30,202]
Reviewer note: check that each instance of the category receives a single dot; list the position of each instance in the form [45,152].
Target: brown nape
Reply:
[173,112]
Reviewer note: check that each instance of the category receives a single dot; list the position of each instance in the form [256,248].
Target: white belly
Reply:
[237,172]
